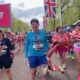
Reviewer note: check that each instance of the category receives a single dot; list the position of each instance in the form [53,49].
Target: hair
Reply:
[78,24]
[2,33]
[57,29]
[34,20]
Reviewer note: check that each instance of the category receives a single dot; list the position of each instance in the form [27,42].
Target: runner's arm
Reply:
[26,46]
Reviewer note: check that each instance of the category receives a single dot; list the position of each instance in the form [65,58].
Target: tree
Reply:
[70,13]
[18,25]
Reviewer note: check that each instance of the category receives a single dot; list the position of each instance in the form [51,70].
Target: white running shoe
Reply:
[61,69]
[64,66]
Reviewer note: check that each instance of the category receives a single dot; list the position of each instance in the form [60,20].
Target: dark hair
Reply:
[2,33]
[78,24]
[34,20]
[57,29]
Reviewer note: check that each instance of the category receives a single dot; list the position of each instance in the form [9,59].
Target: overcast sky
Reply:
[25,4]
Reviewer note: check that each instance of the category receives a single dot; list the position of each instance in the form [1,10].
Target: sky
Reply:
[25,4]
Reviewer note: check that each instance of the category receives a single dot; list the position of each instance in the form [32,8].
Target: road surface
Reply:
[20,70]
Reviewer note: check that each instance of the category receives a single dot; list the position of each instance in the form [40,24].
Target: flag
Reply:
[49,6]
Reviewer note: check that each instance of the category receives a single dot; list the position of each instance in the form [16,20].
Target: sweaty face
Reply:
[35,26]
[60,30]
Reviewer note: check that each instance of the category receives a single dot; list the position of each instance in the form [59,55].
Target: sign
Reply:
[5,15]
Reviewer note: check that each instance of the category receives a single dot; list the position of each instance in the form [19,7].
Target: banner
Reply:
[5,15]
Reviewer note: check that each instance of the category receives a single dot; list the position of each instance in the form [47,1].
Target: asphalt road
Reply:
[20,70]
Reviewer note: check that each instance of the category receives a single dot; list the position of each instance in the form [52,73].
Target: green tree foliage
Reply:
[72,13]
[50,24]
[76,3]
[69,15]
[19,26]
[65,2]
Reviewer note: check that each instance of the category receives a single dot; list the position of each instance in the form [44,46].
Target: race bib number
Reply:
[77,44]
[37,46]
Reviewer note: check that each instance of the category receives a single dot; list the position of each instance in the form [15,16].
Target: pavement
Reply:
[20,71]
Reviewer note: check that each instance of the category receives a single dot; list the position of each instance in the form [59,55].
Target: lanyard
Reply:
[37,36]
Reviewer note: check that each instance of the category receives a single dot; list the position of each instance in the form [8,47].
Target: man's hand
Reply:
[2,47]
[26,61]
[49,60]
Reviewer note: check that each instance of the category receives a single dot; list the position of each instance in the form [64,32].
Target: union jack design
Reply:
[50,10]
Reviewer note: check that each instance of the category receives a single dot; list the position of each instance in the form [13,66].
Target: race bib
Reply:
[77,44]
[37,46]
[4,50]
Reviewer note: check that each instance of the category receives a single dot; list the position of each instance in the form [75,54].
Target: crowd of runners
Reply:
[38,48]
